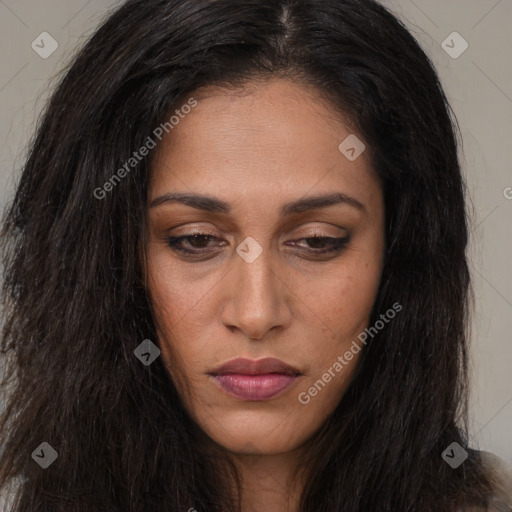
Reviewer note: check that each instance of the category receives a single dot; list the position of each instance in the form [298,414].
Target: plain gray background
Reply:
[478,84]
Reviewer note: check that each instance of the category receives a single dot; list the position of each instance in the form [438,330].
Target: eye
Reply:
[197,244]
[197,241]
[325,244]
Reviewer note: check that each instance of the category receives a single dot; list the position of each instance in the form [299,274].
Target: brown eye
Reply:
[326,244]
[196,243]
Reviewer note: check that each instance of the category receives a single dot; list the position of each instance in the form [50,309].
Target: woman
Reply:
[235,272]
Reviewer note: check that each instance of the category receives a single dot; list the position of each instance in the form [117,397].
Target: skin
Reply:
[275,143]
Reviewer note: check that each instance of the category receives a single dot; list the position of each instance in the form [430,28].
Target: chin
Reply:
[257,432]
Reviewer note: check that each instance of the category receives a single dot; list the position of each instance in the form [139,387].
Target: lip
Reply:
[255,380]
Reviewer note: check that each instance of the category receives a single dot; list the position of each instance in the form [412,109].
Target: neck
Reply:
[267,482]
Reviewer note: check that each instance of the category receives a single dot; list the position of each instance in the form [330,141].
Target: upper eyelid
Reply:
[214,237]
[211,235]
[317,229]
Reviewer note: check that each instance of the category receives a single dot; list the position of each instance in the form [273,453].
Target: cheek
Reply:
[173,304]
[184,313]
[319,395]
[344,301]
[347,296]
[174,295]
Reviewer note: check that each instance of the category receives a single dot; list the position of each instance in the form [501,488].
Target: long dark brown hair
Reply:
[75,306]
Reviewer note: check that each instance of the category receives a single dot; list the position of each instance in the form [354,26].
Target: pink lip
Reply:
[255,380]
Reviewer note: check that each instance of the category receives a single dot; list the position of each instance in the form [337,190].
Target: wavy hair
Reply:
[75,304]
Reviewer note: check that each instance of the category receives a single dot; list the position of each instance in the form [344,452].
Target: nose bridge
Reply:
[255,276]
[256,304]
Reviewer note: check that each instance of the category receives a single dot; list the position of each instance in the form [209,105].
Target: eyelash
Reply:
[174,242]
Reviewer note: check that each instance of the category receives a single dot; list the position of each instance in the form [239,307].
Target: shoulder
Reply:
[500,474]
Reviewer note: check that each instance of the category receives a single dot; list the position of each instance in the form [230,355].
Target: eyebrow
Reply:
[214,205]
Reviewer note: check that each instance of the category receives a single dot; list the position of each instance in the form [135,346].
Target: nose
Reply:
[257,299]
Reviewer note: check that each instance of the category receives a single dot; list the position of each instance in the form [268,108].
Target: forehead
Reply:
[274,133]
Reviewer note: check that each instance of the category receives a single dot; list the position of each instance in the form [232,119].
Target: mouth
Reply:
[255,380]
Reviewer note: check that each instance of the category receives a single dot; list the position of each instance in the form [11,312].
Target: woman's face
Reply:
[258,285]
